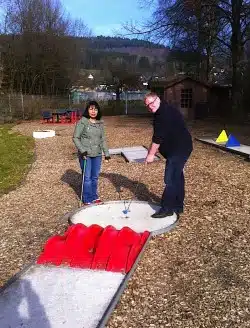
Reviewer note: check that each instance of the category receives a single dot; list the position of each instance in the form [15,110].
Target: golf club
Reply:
[119,190]
[83,174]
[127,209]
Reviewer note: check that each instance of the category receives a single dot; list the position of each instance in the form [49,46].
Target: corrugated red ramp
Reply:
[94,247]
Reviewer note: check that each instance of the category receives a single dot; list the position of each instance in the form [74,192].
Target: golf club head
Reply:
[125,211]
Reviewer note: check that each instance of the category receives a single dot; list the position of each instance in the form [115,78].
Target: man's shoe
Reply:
[178,210]
[162,214]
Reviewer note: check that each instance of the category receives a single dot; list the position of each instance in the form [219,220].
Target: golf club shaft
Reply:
[143,170]
[83,174]
[119,192]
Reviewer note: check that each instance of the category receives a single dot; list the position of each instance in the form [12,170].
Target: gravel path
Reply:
[196,276]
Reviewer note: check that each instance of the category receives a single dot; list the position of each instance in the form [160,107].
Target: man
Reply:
[174,142]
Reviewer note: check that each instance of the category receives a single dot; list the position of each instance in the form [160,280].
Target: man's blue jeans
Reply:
[90,184]
[174,192]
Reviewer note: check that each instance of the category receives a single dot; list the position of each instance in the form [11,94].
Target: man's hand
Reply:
[151,152]
[149,158]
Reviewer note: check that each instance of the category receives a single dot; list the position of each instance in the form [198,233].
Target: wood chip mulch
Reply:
[196,276]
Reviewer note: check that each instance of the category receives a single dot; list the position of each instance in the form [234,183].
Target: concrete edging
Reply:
[116,298]
[222,147]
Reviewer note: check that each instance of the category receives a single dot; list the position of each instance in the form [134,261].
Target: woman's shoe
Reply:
[97,201]
[86,204]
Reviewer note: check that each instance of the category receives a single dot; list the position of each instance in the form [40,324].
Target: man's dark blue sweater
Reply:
[170,132]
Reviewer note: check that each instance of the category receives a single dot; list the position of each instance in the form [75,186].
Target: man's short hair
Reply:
[151,95]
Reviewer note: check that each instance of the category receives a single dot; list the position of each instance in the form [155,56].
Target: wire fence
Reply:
[19,106]
[79,96]
[28,107]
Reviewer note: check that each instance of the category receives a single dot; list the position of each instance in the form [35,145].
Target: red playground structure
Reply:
[62,116]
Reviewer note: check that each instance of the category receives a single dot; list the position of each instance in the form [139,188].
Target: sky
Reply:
[104,17]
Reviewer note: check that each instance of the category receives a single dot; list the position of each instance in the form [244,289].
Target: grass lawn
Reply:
[16,156]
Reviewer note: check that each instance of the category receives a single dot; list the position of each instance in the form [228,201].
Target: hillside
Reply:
[107,42]
[135,47]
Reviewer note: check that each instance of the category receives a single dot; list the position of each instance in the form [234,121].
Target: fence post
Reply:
[69,101]
[9,103]
[126,102]
[22,104]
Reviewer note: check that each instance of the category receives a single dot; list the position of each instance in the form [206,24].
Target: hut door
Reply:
[186,101]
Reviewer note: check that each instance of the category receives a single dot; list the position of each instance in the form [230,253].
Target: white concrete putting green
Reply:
[111,213]
[44,134]
[132,154]
[55,297]
[119,151]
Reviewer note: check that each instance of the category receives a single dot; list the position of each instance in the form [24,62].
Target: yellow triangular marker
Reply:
[222,137]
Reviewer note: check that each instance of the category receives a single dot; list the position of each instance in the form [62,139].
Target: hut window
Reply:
[186,98]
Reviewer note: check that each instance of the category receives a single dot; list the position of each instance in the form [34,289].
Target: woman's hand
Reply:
[84,155]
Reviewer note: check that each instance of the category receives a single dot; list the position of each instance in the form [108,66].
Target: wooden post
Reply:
[22,104]
[9,103]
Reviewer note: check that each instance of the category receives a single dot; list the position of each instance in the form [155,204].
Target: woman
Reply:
[90,141]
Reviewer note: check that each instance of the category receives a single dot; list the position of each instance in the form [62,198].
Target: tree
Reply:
[206,25]
[41,51]
[144,64]
[236,15]
[188,25]
[123,78]
[184,61]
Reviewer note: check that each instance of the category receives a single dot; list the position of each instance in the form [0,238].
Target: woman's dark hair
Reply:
[93,103]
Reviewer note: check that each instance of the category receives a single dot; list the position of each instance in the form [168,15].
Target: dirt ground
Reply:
[196,276]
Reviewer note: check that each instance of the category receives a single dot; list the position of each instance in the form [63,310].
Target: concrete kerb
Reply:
[18,275]
[107,314]
[222,147]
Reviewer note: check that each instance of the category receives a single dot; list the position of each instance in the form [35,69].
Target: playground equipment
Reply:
[62,116]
